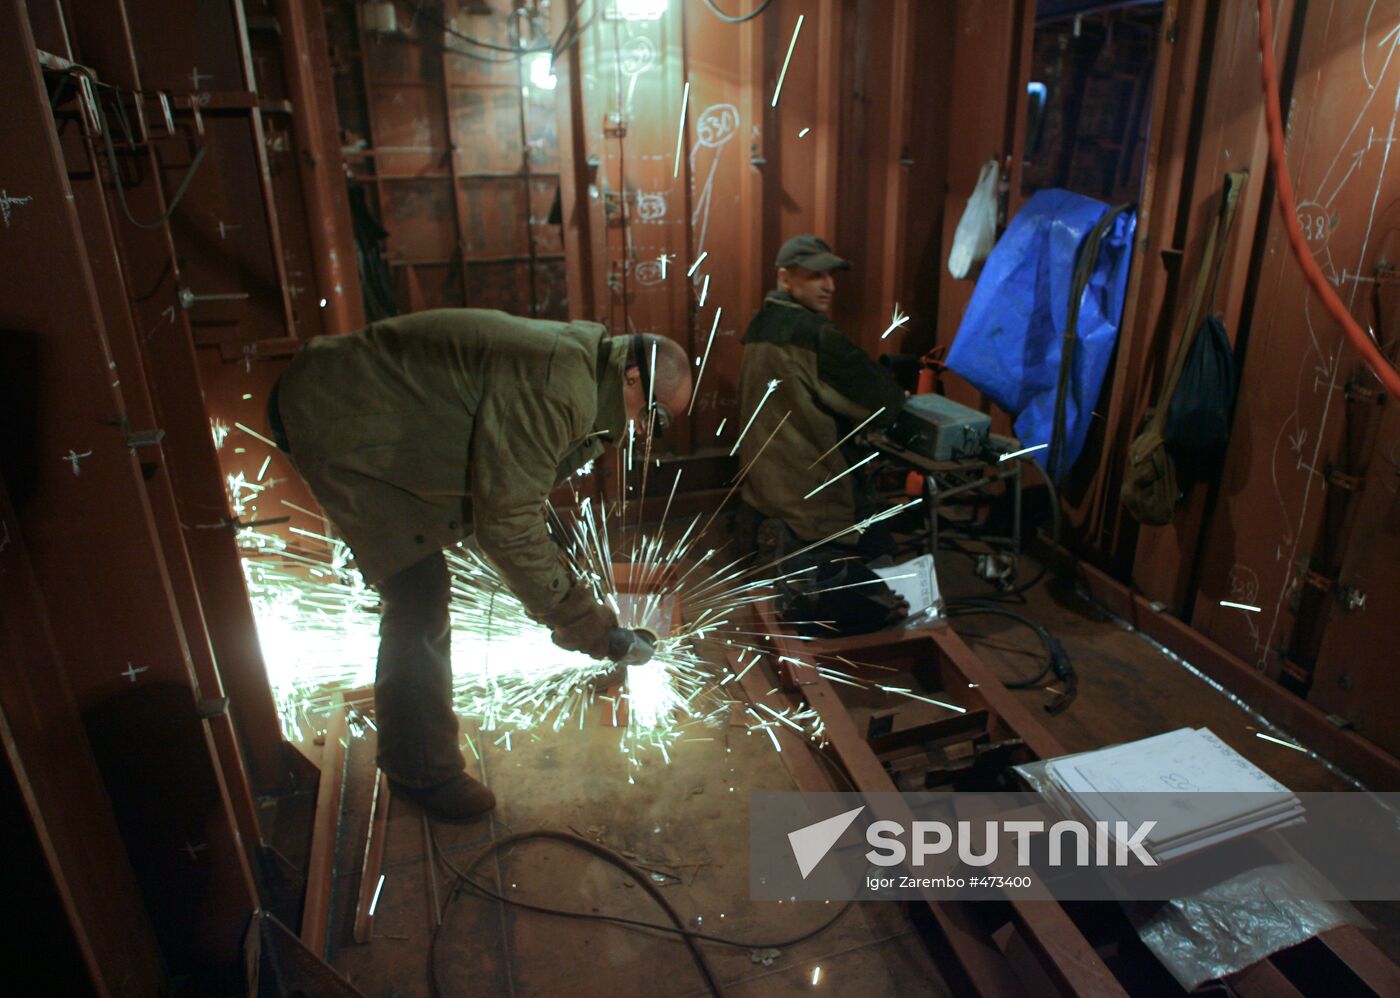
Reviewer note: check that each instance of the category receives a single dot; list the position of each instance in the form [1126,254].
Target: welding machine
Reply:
[940,429]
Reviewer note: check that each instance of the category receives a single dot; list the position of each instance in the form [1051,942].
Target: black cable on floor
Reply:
[1057,660]
[677,928]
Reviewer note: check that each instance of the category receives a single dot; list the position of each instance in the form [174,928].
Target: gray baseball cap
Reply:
[812,253]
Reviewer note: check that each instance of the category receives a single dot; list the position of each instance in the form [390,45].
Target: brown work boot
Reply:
[457,800]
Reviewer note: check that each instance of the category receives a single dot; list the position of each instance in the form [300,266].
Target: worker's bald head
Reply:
[672,381]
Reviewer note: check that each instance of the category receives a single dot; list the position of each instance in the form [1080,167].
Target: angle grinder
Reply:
[626,647]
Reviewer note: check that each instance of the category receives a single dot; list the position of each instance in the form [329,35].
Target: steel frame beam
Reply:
[1060,949]
[96,551]
[62,787]
[1359,756]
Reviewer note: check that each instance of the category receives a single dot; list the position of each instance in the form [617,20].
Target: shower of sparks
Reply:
[897,319]
[695,390]
[696,265]
[777,91]
[772,387]
[803,134]
[680,132]
[318,625]
[219,429]
[1241,606]
[1023,450]
[663,259]
[848,436]
[835,478]
[263,470]
[720,429]
[704,291]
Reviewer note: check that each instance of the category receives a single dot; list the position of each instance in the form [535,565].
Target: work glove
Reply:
[626,647]
[580,623]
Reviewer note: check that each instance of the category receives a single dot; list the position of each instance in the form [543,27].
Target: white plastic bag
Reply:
[977,230]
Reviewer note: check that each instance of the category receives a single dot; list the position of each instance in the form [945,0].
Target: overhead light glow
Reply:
[541,73]
[639,10]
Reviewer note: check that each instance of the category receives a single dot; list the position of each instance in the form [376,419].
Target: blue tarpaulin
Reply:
[1011,335]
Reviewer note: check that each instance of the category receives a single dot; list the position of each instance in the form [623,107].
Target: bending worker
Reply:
[417,430]
[827,387]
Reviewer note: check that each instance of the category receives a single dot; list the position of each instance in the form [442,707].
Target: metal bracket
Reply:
[1357,392]
[238,524]
[1341,480]
[1351,599]
[1318,581]
[1294,670]
[212,707]
[188,299]
[138,438]
[144,438]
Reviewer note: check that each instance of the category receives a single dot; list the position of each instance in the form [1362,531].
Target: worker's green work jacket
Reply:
[395,425]
[826,386]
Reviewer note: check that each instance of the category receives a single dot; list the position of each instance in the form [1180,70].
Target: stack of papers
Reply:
[1213,794]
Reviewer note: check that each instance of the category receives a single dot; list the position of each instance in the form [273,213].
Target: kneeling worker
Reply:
[396,425]
[828,386]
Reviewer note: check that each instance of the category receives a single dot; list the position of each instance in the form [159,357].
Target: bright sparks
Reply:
[319,625]
[680,133]
[772,387]
[778,90]
[695,390]
[897,319]
[1023,451]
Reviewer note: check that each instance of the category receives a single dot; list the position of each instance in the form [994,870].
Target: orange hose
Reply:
[1283,183]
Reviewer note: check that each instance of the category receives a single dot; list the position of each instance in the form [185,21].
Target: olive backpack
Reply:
[1150,489]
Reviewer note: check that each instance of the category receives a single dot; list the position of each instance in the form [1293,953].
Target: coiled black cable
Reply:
[737,18]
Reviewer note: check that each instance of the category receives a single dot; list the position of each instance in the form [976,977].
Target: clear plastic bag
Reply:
[977,230]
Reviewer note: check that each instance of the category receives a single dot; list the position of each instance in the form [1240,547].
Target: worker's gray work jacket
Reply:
[394,425]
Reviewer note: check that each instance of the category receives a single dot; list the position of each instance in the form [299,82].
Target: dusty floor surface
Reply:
[683,820]
[687,821]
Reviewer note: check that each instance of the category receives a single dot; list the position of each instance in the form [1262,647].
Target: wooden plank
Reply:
[1166,559]
[1262,980]
[944,642]
[1368,762]
[796,757]
[1377,970]
[945,731]
[1153,276]
[373,861]
[320,866]
[1065,954]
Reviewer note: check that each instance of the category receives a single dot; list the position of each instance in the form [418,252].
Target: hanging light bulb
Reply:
[541,73]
